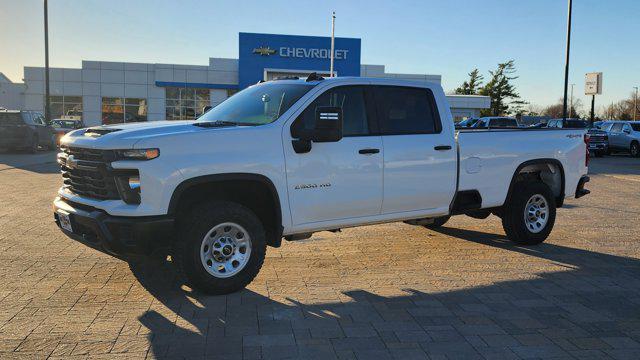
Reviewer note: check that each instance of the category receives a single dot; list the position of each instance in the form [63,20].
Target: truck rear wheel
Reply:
[530,213]
[221,247]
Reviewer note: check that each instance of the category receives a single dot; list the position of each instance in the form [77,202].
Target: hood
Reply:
[126,135]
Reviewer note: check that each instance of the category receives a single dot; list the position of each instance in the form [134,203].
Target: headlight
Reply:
[138,154]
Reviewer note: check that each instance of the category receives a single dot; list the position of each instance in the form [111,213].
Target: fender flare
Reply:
[542,161]
[213,178]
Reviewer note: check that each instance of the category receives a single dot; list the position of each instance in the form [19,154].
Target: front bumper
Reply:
[580,190]
[121,237]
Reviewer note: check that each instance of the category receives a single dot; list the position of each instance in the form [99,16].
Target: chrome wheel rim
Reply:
[225,250]
[634,150]
[536,213]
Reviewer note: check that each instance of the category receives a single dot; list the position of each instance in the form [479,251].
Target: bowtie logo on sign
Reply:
[264,51]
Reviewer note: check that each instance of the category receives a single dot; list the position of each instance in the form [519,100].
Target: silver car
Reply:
[624,136]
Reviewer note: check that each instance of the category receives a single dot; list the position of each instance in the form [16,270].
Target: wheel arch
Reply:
[248,189]
[550,171]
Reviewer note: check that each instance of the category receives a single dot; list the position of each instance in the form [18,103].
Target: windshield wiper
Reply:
[221,123]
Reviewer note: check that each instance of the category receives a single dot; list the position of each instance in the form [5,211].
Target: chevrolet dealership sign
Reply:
[312,53]
[263,53]
[302,52]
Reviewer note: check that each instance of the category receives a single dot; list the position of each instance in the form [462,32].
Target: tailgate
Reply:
[12,127]
[13,132]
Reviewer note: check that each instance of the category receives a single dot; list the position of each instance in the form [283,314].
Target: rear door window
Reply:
[406,110]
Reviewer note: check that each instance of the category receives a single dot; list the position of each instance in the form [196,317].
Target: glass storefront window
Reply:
[66,107]
[185,103]
[123,110]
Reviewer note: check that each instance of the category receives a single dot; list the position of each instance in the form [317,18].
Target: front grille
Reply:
[596,139]
[87,172]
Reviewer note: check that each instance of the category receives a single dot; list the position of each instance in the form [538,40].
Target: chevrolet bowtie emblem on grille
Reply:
[264,51]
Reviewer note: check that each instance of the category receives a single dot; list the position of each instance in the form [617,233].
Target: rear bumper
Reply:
[598,146]
[121,237]
[580,190]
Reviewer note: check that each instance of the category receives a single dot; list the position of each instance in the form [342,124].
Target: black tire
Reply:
[192,231]
[513,221]
[438,222]
[634,149]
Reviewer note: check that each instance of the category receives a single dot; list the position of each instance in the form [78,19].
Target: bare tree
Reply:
[555,110]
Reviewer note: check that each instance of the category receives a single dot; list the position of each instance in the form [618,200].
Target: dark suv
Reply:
[25,130]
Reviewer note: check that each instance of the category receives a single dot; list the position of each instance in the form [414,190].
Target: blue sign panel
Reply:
[260,52]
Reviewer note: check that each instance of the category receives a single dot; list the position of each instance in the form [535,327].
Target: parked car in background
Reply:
[466,123]
[25,130]
[624,136]
[492,122]
[598,138]
[63,126]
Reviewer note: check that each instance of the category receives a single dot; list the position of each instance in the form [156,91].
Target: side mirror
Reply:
[626,131]
[327,128]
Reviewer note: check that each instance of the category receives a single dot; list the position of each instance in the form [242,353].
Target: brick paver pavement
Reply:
[387,291]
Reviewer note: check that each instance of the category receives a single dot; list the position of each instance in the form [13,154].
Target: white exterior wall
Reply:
[98,79]
[12,95]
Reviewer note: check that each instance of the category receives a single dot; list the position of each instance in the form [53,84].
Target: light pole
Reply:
[571,103]
[566,65]
[333,31]
[635,104]
[47,105]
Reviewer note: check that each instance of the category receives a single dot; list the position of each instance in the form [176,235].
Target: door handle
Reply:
[368,151]
[442,147]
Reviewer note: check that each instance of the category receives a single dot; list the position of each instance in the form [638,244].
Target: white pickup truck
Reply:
[286,158]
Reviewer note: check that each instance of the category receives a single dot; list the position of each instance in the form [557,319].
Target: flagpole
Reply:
[333,30]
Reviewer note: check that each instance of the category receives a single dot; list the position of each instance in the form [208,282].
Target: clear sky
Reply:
[446,37]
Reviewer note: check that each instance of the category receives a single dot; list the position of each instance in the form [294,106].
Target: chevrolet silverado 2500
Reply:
[286,158]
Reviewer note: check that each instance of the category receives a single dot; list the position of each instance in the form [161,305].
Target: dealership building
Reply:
[104,92]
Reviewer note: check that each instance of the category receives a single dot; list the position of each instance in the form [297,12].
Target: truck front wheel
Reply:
[221,247]
[530,213]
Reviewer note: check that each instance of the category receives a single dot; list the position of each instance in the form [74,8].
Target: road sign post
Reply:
[593,87]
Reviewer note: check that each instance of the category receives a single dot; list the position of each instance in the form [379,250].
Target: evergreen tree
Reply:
[500,89]
[472,86]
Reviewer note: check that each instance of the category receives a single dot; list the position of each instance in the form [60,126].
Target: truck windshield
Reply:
[257,105]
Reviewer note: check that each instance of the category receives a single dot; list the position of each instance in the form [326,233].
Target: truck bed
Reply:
[490,157]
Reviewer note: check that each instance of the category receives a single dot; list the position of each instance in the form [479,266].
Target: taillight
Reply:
[586,156]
